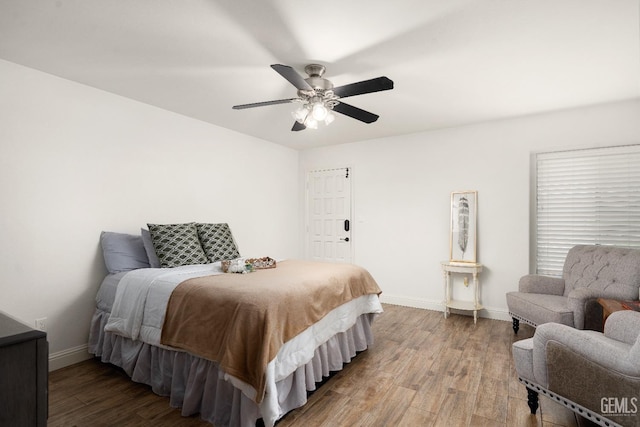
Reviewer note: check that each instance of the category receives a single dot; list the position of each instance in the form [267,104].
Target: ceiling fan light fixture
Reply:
[311,123]
[319,111]
[330,118]
[314,111]
[300,114]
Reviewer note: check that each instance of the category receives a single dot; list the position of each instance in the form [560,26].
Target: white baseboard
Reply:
[70,356]
[487,312]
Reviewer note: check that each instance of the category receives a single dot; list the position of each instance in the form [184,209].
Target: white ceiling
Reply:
[454,62]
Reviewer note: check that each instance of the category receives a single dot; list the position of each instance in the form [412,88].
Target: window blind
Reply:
[585,197]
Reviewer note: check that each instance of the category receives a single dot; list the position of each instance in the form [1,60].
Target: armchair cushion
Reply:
[536,309]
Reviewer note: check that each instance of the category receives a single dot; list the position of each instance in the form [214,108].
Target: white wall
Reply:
[75,161]
[402,186]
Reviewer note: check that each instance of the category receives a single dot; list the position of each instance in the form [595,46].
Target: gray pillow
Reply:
[177,244]
[154,262]
[123,252]
[217,241]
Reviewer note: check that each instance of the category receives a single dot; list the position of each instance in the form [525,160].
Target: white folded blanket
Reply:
[142,296]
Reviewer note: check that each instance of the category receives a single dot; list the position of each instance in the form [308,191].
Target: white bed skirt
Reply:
[198,385]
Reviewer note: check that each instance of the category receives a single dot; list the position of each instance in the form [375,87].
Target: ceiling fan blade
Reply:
[263,104]
[292,76]
[365,86]
[297,126]
[355,112]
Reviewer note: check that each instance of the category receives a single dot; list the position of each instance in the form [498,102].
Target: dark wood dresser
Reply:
[24,365]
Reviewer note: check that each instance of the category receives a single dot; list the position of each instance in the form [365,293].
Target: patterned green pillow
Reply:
[217,241]
[177,244]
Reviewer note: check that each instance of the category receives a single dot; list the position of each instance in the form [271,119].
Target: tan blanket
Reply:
[242,320]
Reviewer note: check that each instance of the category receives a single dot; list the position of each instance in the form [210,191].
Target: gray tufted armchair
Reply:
[589,272]
[596,375]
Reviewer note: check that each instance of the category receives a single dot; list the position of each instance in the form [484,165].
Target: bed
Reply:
[164,328]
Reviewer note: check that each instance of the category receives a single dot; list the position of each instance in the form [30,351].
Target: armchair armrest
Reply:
[538,284]
[603,351]
[623,326]
[588,384]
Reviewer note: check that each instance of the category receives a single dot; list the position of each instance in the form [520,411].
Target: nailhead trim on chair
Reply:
[522,319]
[580,410]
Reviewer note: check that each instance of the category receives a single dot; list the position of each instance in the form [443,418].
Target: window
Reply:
[585,197]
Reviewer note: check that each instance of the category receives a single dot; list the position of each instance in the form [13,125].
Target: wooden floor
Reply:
[422,370]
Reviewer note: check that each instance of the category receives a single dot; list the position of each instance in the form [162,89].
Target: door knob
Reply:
[346,239]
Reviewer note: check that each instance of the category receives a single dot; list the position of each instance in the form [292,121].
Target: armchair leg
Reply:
[516,325]
[532,400]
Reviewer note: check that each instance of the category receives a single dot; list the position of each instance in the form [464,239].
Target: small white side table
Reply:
[471,268]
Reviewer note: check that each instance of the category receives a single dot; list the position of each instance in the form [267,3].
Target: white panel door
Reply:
[329,215]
